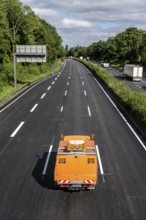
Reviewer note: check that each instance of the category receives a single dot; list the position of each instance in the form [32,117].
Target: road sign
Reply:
[28,54]
[31,53]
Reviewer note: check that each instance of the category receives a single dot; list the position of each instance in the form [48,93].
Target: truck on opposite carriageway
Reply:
[133,72]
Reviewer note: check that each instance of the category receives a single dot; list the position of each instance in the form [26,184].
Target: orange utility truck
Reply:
[76,163]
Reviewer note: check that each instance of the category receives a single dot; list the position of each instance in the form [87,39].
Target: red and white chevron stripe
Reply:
[64,181]
[89,181]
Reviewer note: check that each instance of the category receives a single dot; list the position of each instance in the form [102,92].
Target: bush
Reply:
[7,73]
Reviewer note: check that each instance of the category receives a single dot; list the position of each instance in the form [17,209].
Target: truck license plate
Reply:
[76,185]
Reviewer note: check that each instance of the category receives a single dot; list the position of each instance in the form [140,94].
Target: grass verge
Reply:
[25,75]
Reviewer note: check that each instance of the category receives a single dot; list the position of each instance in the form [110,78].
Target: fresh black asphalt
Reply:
[73,103]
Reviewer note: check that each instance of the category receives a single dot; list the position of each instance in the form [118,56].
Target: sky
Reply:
[82,22]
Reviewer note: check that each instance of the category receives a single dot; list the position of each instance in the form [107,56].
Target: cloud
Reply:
[50,15]
[69,23]
[85,21]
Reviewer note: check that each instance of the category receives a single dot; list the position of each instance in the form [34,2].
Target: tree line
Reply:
[126,47]
[20,25]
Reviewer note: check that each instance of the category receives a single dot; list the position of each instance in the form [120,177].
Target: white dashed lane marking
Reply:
[65,93]
[49,88]
[89,112]
[43,96]
[85,93]
[17,129]
[61,110]
[34,107]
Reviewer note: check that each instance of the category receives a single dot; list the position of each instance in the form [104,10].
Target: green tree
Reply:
[134,39]
[15,20]
[20,25]
[4,43]
[66,49]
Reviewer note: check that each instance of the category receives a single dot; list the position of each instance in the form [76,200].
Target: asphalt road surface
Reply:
[71,102]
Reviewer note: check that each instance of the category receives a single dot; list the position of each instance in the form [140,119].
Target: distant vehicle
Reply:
[134,72]
[76,163]
[104,64]
[62,59]
[81,58]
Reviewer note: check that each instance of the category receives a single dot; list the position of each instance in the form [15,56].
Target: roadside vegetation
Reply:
[128,46]
[26,75]
[135,101]
[19,25]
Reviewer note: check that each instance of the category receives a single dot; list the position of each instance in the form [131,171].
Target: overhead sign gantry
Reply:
[28,54]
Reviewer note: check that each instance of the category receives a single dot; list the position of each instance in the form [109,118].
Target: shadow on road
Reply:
[46,180]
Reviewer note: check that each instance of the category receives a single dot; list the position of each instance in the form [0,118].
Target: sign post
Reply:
[15,70]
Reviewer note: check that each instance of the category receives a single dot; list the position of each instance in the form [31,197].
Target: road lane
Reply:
[18,109]
[23,194]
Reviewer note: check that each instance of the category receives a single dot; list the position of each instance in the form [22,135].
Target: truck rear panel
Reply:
[76,163]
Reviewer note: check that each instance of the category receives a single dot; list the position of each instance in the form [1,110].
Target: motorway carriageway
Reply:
[70,102]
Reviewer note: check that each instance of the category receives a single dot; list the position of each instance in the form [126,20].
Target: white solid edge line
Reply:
[34,107]
[89,111]
[29,90]
[100,163]
[99,160]
[17,129]
[21,96]
[140,141]
[43,96]
[47,160]
[122,116]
